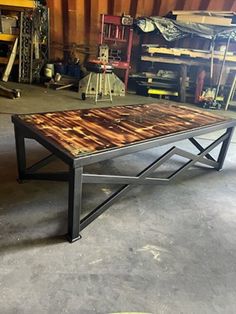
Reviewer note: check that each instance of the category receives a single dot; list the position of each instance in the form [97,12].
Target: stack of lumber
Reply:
[191,53]
[220,18]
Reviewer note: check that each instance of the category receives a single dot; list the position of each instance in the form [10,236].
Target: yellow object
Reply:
[7,37]
[30,4]
[162,92]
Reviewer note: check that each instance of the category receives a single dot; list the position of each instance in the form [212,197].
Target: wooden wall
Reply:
[77,21]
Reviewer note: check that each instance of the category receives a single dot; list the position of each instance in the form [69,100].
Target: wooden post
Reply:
[231,93]
[199,84]
[183,80]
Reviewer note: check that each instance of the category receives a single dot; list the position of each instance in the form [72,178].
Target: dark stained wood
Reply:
[183,81]
[133,7]
[229,4]
[156,7]
[110,9]
[65,25]
[87,20]
[204,4]
[180,4]
[90,130]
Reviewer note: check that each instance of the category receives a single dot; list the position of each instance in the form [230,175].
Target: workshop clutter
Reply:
[183,56]
[61,68]
[61,75]
[24,40]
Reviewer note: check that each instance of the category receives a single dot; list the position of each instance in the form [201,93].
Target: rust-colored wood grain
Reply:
[91,130]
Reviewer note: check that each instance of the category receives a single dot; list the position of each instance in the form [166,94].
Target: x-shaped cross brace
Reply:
[76,177]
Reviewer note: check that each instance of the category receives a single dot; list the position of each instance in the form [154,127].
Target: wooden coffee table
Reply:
[83,137]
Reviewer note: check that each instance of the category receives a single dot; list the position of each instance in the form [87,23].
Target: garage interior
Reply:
[160,248]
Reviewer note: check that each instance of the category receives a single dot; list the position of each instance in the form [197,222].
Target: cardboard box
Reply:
[8,22]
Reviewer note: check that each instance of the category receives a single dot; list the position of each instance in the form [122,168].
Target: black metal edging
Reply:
[150,143]
[29,132]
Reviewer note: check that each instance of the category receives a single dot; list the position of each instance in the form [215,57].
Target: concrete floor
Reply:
[161,249]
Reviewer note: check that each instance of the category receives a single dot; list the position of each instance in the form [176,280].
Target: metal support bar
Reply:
[115,196]
[195,158]
[113,179]
[200,148]
[74,203]
[20,153]
[222,66]
[224,148]
[199,157]
[38,165]
[51,176]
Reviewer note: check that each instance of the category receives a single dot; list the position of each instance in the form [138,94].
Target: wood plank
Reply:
[7,37]
[208,12]
[30,4]
[202,19]
[176,61]
[189,53]
[11,61]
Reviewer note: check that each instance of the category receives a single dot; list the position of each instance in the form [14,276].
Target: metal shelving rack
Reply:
[114,33]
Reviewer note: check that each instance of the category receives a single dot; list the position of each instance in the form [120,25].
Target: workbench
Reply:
[183,60]
[83,137]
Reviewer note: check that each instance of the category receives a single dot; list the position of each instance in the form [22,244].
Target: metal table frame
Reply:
[76,177]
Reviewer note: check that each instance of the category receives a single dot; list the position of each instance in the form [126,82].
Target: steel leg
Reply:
[224,149]
[20,153]
[109,86]
[126,79]
[75,203]
[97,88]
[88,84]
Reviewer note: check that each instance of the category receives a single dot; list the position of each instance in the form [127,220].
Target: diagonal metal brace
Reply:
[200,148]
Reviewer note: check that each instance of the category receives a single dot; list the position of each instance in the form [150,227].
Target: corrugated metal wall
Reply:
[77,21]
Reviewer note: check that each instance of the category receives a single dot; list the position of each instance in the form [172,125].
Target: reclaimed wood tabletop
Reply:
[85,131]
